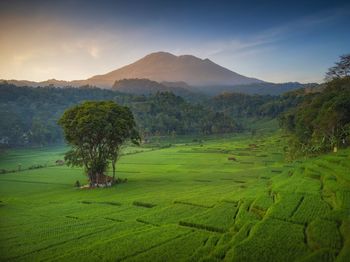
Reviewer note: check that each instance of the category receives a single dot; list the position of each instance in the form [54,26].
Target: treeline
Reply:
[243,105]
[168,114]
[316,118]
[321,121]
[28,116]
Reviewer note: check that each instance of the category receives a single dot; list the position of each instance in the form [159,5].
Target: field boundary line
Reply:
[59,243]
[201,226]
[297,206]
[152,247]
[32,182]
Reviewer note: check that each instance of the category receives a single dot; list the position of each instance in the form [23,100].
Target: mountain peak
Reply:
[160,55]
[167,55]
[166,67]
[163,67]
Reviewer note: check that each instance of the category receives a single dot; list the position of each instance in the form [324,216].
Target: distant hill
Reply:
[255,89]
[146,87]
[50,82]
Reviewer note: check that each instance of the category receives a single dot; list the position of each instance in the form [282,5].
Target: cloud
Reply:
[20,59]
[267,39]
[94,51]
[82,46]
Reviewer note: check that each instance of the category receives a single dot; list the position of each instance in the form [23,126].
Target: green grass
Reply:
[25,158]
[186,202]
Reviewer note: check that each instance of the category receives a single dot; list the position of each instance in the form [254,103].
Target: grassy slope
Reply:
[25,158]
[205,207]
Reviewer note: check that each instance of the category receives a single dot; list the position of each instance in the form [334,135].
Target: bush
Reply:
[36,166]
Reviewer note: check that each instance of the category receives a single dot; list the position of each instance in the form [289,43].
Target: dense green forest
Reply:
[317,119]
[321,120]
[29,115]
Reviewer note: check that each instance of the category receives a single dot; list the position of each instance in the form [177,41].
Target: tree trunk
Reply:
[113,168]
[91,178]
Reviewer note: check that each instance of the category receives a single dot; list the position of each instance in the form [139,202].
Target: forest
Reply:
[321,121]
[29,115]
[317,119]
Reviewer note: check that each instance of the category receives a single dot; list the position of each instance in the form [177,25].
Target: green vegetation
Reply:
[322,121]
[186,202]
[147,87]
[341,69]
[28,116]
[97,131]
[211,180]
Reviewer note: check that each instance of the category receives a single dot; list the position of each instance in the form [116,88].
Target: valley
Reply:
[174,131]
[186,202]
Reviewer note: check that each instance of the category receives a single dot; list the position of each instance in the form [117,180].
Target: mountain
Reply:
[179,74]
[166,67]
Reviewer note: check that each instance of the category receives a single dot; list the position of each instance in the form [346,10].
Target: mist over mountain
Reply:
[265,88]
[166,67]
[167,72]
[146,87]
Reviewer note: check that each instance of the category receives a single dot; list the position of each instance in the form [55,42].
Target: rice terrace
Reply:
[186,202]
[146,155]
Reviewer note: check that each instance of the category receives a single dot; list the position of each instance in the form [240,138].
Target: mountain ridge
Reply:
[166,67]
[183,71]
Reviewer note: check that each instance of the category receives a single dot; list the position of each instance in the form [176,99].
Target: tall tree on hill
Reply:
[341,68]
[96,131]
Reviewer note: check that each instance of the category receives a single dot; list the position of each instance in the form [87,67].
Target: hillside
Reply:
[185,71]
[166,67]
[265,88]
[146,87]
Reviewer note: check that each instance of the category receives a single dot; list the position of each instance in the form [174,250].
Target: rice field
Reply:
[222,199]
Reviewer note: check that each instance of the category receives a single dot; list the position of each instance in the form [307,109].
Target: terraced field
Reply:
[230,199]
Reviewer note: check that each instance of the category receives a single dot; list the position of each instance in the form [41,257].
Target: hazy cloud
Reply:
[39,45]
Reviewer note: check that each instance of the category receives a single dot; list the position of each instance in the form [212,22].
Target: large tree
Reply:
[96,131]
[340,69]
[321,122]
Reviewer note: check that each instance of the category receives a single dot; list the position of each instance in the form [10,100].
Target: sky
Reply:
[277,41]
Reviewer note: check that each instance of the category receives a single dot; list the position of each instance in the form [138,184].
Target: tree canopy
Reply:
[322,121]
[96,131]
[28,116]
[340,69]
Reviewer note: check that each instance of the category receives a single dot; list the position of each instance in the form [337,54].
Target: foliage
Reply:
[29,115]
[322,121]
[96,131]
[148,87]
[341,68]
[245,106]
[168,114]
